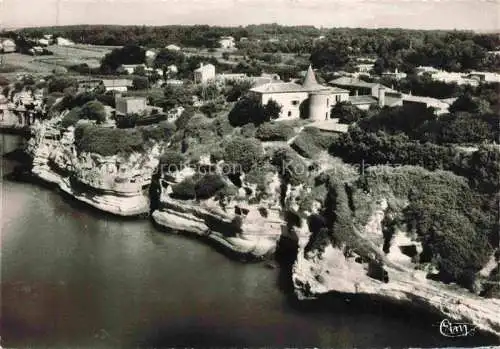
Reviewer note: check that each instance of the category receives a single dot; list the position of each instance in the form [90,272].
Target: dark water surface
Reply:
[74,277]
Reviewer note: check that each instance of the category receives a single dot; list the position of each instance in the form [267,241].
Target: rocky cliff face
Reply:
[241,224]
[115,184]
[390,275]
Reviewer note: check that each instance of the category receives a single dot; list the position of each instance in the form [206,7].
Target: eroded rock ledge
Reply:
[114,184]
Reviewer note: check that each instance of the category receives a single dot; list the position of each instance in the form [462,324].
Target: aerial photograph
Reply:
[249,174]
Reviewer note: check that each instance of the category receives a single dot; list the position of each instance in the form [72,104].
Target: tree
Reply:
[93,110]
[247,110]
[140,82]
[237,89]
[346,112]
[128,54]
[243,153]
[60,83]
[272,110]
[140,70]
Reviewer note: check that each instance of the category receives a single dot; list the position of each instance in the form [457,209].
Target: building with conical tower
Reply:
[307,100]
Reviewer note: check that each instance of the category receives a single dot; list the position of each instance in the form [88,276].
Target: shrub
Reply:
[93,110]
[185,190]
[274,132]
[171,161]
[244,153]
[248,130]
[184,118]
[71,118]
[208,186]
[291,167]
[107,141]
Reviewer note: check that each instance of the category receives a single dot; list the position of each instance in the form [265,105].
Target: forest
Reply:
[335,48]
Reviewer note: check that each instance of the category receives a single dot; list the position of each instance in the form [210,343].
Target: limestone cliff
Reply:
[247,229]
[116,184]
[365,262]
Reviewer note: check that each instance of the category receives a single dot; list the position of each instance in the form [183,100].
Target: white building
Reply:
[117,85]
[173,47]
[130,68]
[440,106]
[397,75]
[227,42]
[310,97]
[130,105]
[64,42]
[364,67]
[7,46]
[204,74]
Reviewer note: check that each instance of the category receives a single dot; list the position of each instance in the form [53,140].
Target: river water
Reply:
[74,277]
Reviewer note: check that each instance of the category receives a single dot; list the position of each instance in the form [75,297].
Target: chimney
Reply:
[356,93]
[396,70]
[201,64]
[381,96]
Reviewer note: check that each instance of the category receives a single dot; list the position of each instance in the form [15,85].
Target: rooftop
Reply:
[278,87]
[357,100]
[117,83]
[310,83]
[348,81]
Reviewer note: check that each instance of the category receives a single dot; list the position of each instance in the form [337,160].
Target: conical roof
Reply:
[310,83]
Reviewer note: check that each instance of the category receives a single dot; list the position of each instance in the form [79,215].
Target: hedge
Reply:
[270,131]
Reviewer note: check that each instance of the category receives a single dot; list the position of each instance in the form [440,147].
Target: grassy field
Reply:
[65,56]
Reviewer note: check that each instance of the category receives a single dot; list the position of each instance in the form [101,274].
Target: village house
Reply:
[130,105]
[364,67]
[7,46]
[397,75]
[64,42]
[88,85]
[224,78]
[130,68]
[453,77]
[365,94]
[204,74]
[117,85]
[227,42]
[173,47]
[484,77]
[440,106]
[291,96]
[420,70]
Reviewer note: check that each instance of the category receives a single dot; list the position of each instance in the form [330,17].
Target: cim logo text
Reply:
[456,329]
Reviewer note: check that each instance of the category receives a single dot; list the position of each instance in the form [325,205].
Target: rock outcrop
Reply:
[249,230]
[116,184]
[337,269]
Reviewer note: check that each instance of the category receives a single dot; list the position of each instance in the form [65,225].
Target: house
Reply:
[130,68]
[227,42]
[397,75]
[172,69]
[295,99]
[36,50]
[43,42]
[130,105]
[364,94]
[64,42]
[173,47]
[224,78]
[440,106]
[88,85]
[118,85]
[453,77]
[364,67]
[204,73]
[484,77]
[420,70]
[7,46]
[150,54]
